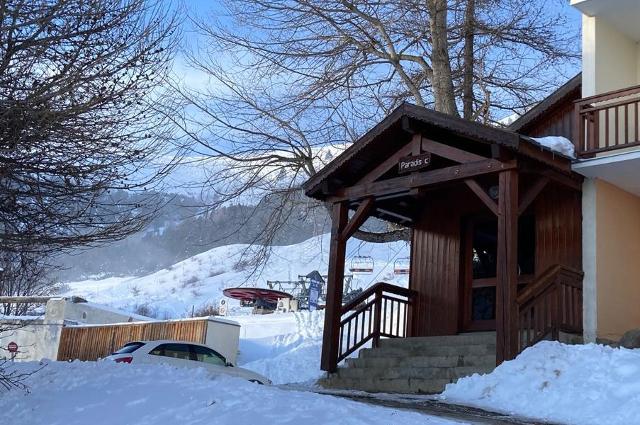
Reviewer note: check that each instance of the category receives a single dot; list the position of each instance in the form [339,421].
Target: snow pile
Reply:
[290,355]
[558,144]
[574,384]
[199,280]
[105,393]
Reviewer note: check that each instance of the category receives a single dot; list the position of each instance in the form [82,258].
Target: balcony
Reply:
[607,122]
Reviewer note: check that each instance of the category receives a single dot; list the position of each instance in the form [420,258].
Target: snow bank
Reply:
[574,384]
[558,144]
[291,355]
[105,393]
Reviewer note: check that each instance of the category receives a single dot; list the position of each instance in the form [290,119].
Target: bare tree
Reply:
[23,274]
[79,90]
[79,83]
[295,81]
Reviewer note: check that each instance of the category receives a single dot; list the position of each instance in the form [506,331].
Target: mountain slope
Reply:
[199,281]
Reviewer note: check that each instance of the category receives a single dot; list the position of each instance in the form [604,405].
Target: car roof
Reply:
[166,341]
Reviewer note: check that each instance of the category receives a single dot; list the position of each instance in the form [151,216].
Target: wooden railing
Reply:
[607,122]
[550,305]
[380,311]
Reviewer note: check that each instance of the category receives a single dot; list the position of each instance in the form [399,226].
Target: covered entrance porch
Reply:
[495,224]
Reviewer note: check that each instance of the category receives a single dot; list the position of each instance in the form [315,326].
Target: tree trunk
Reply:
[442,81]
[468,54]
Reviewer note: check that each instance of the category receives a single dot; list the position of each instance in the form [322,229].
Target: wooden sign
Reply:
[414,163]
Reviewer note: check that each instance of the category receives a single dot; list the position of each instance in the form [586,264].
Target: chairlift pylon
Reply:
[361,264]
[402,266]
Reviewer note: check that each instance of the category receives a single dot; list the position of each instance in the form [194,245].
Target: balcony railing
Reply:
[607,122]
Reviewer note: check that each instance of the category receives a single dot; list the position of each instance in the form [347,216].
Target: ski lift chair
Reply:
[401,266]
[361,264]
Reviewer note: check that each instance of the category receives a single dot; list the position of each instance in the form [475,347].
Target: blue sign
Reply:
[315,284]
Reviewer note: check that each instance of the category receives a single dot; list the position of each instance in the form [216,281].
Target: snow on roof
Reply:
[558,144]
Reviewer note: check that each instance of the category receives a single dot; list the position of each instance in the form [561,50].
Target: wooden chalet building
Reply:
[496,234]
[508,237]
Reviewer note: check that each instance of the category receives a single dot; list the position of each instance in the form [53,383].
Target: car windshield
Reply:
[129,348]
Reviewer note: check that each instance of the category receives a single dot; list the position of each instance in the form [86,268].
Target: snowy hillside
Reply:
[200,280]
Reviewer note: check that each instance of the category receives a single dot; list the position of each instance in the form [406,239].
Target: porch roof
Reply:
[396,131]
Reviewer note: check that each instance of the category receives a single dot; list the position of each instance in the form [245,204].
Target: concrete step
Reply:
[419,350]
[427,373]
[416,365]
[476,338]
[421,361]
[405,386]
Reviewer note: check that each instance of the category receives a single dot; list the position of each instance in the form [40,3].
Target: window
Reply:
[129,348]
[485,249]
[207,355]
[176,351]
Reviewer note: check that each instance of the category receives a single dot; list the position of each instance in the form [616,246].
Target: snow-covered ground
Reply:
[105,393]
[284,347]
[574,384]
[199,280]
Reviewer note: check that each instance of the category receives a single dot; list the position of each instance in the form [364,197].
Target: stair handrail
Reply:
[550,304]
[545,280]
[365,316]
[377,287]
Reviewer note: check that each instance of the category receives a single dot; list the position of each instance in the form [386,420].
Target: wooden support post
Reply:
[507,267]
[377,313]
[335,280]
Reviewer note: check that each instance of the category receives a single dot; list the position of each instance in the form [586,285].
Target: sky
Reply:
[214,9]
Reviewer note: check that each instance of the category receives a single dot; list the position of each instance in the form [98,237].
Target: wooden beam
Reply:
[568,181]
[531,195]
[507,268]
[417,180]
[360,216]
[401,217]
[571,180]
[391,162]
[484,197]
[449,152]
[335,281]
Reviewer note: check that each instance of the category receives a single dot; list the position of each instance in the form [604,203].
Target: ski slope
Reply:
[199,281]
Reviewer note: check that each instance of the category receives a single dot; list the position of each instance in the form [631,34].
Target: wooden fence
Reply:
[95,342]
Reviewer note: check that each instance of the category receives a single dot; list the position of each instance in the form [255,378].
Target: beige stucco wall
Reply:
[610,59]
[617,238]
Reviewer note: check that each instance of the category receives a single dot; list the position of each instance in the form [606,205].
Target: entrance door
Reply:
[480,265]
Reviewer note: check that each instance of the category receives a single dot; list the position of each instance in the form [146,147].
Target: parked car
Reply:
[182,354]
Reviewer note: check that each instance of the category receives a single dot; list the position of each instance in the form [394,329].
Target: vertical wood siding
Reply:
[436,262]
[558,213]
[436,257]
[95,342]
[435,274]
[558,122]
